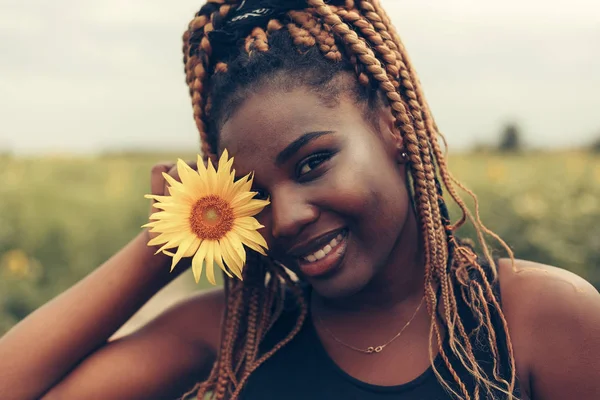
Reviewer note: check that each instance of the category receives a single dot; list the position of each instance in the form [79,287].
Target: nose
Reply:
[290,212]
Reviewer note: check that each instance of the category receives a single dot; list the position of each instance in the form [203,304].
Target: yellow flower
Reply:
[209,216]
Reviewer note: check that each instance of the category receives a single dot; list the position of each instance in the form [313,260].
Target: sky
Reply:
[92,76]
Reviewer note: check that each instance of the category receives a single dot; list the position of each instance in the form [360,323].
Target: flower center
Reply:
[211,218]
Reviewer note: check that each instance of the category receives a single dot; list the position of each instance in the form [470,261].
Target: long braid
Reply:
[362,33]
[323,38]
[440,245]
[197,52]
[432,128]
[374,38]
[409,75]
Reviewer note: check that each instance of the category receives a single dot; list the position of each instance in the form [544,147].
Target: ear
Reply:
[390,134]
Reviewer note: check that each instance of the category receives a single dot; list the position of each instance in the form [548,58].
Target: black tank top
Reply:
[303,370]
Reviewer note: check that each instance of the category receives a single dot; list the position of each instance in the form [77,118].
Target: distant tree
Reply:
[510,138]
[595,145]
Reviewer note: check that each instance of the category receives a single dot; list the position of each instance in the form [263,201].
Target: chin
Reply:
[337,288]
[345,282]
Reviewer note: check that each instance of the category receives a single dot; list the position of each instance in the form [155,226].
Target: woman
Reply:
[321,101]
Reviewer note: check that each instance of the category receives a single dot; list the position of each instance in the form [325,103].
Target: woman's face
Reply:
[339,199]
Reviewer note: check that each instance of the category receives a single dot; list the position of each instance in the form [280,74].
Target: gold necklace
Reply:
[372,349]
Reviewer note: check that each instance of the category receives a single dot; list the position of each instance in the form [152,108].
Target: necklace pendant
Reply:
[370,350]
[378,349]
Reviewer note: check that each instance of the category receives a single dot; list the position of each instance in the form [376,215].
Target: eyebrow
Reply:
[297,144]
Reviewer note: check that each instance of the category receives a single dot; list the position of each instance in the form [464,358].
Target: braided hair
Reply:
[233,47]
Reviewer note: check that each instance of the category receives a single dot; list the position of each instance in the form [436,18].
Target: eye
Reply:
[311,163]
[261,194]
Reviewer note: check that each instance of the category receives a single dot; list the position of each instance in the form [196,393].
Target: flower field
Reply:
[62,216]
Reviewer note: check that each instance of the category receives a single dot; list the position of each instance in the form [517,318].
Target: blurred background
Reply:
[92,94]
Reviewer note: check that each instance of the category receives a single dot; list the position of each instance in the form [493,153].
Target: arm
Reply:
[45,346]
[66,340]
[161,361]
[556,325]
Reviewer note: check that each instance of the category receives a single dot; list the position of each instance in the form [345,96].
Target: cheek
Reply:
[368,182]
[375,199]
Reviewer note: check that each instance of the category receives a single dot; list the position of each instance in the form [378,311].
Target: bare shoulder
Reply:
[554,322]
[197,318]
[539,291]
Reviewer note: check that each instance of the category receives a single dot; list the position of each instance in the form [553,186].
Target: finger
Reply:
[157,181]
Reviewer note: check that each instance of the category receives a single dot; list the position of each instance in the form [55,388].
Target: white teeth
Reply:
[325,250]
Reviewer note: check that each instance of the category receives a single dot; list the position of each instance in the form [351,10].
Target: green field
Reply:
[62,216]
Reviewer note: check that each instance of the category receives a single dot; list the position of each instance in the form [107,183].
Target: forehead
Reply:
[268,121]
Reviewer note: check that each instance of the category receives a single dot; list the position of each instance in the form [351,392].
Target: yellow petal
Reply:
[163,238]
[170,219]
[211,177]
[178,230]
[157,197]
[198,261]
[210,271]
[169,215]
[232,190]
[170,245]
[171,227]
[193,248]
[223,174]
[219,259]
[231,258]
[181,250]
[242,198]
[150,224]
[236,243]
[177,189]
[189,178]
[202,174]
[255,247]
[244,184]
[250,209]
[252,239]
[249,223]
[172,181]
[184,171]
[177,207]
[224,159]
[227,188]
[225,163]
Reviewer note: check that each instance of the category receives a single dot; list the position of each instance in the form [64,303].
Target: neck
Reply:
[399,284]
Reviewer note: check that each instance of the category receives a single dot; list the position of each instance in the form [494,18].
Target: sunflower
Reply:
[208,216]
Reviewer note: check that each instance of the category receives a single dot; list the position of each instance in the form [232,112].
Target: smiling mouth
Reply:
[327,258]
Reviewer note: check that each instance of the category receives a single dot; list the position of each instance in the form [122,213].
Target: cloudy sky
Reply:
[88,76]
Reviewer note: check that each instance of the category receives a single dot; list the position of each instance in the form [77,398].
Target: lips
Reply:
[325,259]
[313,245]
[322,252]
